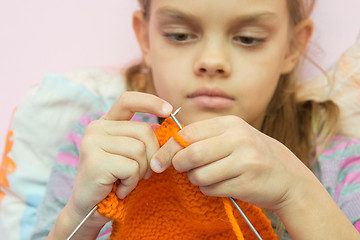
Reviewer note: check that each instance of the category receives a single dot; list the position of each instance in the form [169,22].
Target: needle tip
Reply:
[177,110]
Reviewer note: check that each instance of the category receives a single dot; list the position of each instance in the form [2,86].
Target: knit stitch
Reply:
[168,206]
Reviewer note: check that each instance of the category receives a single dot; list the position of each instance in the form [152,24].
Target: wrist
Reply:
[299,212]
[309,212]
[69,219]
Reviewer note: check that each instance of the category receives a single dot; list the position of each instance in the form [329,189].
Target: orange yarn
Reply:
[180,141]
[232,219]
[7,165]
[168,206]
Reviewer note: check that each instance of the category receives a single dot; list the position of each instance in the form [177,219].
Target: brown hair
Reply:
[302,125]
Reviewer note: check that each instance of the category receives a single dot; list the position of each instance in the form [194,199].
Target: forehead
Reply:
[217,10]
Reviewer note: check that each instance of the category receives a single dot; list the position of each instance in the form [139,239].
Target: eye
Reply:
[179,37]
[249,41]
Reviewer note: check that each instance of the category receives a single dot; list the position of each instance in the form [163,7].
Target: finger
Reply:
[201,153]
[203,129]
[137,130]
[155,127]
[149,170]
[124,169]
[95,180]
[163,157]
[127,147]
[142,132]
[218,171]
[225,188]
[234,187]
[192,133]
[130,102]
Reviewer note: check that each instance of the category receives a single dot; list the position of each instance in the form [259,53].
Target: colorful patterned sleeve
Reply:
[338,168]
[61,181]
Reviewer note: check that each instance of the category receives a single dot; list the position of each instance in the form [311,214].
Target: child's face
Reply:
[216,58]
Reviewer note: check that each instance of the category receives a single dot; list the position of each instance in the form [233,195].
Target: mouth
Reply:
[211,98]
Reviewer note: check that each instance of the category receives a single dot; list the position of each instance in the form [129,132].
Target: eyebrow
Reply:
[255,17]
[190,18]
[176,15]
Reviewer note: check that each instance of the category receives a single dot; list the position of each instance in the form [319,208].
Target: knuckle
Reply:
[87,141]
[133,169]
[145,128]
[124,95]
[207,191]
[139,149]
[164,155]
[124,98]
[92,126]
[239,140]
[197,178]
[232,119]
[186,132]
[167,153]
[195,154]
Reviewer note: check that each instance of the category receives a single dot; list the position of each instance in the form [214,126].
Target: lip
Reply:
[214,98]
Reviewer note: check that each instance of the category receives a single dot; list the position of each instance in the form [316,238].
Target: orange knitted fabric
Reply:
[167,206]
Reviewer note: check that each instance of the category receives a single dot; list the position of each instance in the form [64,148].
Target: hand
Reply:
[115,148]
[228,157]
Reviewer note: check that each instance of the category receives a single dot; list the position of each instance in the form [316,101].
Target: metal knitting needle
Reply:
[96,207]
[246,219]
[232,200]
[172,115]
[82,222]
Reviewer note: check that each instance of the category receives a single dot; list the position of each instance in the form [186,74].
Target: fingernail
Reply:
[166,108]
[148,174]
[155,165]
[122,192]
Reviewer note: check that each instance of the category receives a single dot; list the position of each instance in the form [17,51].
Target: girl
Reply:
[230,66]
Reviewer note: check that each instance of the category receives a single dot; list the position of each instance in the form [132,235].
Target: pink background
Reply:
[59,36]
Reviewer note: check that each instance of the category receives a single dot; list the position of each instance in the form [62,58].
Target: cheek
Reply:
[269,61]
[167,84]
[258,77]
[171,74]
[266,69]
[264,83]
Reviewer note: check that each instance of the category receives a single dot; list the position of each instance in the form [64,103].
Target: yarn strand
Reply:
[245,218]
[232,219]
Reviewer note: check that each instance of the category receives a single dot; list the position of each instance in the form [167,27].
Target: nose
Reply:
[213,62]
